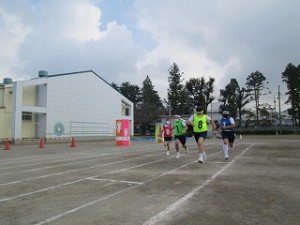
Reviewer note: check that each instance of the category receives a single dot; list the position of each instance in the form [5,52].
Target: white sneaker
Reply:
[178,155]
[200,160]
[168,153]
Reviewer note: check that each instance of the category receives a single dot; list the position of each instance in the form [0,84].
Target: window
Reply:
[125,108]
[27,116]
[126,111]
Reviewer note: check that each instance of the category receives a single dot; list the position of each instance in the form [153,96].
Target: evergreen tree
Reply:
[208,91]
[186,102]
[256,82]
[195,88]
[175,90]
[149,95]
[234,98]
[115,86]
[132,92]
[150,108]
[291,76]
[242,101]
[229,98]
[200,91]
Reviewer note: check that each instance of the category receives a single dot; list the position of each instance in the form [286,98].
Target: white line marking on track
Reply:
[81,207]
[48,162]
[109,196]
[120,181]
[130,182]
[71,171]
[72,154]
[41,190]
[76,181]
[74,158]
[178,203]
[49,167]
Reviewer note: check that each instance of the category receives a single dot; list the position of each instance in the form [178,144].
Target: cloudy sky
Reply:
[126,40]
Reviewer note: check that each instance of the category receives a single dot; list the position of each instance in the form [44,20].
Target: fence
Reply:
[283,129]
[88,129]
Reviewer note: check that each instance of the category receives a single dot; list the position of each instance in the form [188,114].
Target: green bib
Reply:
[178,128]
[200,123]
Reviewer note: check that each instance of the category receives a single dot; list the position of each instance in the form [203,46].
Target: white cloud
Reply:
[86,24]
[66,37]
[77,20]
[13,32]
[223,39]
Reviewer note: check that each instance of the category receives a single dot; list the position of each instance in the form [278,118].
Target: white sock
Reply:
[225,150]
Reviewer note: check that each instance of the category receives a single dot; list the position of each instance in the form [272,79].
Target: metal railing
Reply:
[88,129]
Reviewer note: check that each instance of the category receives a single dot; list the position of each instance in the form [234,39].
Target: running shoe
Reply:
[178,155]
[200,160]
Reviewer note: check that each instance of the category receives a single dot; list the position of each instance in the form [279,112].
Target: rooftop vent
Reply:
[7,81]
[43,73]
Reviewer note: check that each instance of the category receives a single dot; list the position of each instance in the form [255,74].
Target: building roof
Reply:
[71,73]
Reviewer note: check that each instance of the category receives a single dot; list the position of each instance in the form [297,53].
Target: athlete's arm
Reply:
[190,121]
[213,124]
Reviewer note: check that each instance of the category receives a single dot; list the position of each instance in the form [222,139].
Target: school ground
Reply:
[101,184]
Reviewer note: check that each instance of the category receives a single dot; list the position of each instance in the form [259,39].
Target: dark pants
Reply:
[181,138]
[198,135]
[228,135]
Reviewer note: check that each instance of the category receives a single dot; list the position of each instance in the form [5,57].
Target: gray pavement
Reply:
[99,183]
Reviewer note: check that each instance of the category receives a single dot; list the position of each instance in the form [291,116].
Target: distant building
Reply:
[212,112]
[61,105]
[286,119]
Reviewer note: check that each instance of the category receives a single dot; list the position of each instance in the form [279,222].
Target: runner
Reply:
[167,130]
[199,122]
[180,129]
[228,136]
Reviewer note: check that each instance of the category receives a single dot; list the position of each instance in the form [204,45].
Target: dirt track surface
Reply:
[99,183]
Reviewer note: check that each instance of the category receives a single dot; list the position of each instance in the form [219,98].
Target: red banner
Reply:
[122,133]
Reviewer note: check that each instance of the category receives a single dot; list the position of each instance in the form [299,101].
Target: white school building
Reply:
[77,104]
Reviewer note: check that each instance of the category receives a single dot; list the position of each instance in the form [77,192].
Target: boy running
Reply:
[179,130]
[199,122]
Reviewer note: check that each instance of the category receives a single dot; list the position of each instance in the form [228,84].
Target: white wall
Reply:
[82,97]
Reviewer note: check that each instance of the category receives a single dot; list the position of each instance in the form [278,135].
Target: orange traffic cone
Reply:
[7,145]
[42,143]
[73,143]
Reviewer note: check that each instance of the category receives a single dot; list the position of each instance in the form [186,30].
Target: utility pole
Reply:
[279,109]
[276,125]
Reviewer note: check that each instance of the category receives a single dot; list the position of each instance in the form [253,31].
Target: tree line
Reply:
[183,96]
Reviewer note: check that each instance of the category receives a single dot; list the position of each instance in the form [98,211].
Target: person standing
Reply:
[228,136]
[179,130]
[199,121]
[167,130]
